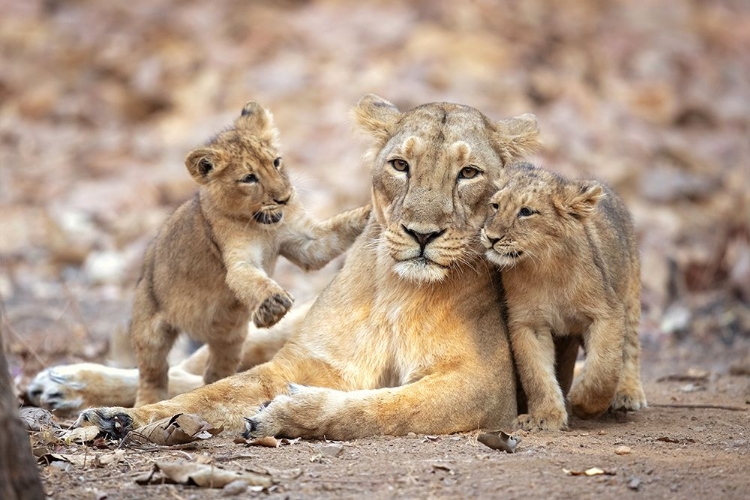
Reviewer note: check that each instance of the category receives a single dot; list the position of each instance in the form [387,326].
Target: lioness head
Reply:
[241,168]
[433,169]
[533,211]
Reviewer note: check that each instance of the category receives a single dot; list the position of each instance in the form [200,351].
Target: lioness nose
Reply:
[282,201]
[422,238]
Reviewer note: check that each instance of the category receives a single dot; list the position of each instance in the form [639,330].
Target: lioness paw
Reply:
[272,309]
[541,422]
[116,422]
[299,414]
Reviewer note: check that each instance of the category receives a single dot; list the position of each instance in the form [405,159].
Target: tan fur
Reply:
[570,266]
[208,271]
[409,336]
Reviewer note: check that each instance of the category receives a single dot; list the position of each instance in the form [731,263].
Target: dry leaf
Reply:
[499,440]
[207,476]
[179,429]
[86,460]
[36,418]
[81,434]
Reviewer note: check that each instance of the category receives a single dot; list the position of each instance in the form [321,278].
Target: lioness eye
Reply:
[468,173]
[400,165]
[525,212]
[249,179]
[495,206]
[277,162]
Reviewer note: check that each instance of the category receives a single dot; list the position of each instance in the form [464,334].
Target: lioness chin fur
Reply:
[409,336]
[570,266]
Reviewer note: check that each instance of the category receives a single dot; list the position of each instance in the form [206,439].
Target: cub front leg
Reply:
[312,245]
[267,301]
[535,358]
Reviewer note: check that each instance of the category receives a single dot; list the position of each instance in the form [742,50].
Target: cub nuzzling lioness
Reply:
[207,273]
[569,262]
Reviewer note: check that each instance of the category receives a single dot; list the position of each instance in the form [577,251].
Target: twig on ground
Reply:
[697,406]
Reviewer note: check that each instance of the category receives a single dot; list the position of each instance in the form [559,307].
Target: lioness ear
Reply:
[259,121]
[202,163]
[376,116]
[582,197]
[516,138]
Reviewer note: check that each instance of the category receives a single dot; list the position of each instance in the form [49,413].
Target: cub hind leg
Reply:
[593,391]
[225,349]
[152,339]
[629,394]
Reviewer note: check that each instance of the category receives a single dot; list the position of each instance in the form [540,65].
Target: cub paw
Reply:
[272,309]
[629,400]
[541,422]
[587,404]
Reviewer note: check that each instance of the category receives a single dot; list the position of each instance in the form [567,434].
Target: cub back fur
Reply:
[570,266]
[208,271]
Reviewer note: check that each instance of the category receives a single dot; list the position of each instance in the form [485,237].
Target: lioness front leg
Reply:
[226,402]
[594,391]
[535,358]
[436,404]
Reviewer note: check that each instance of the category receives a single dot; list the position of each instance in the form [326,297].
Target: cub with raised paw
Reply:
[208,271]
[569,262]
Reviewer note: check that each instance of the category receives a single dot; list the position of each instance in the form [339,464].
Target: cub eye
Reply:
[400,165]
[495,206]
[525,212]
[249,179]
[277,162]
[468,172]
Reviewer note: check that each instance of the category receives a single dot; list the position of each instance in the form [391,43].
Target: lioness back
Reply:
[570,266]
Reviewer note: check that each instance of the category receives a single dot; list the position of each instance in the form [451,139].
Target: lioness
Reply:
[208,270]
[570,266]
[409,336]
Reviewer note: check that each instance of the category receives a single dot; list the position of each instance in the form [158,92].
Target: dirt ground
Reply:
[671,452]
[101,101]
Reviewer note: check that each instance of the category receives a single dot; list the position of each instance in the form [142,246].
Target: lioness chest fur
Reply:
[208,271]
[570,266]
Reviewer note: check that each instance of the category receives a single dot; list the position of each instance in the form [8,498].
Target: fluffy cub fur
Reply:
[208,271]
[570,266]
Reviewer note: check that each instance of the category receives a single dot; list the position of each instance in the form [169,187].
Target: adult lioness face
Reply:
[433,169]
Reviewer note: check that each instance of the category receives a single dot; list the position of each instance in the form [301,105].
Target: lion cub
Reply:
[569,262]
[207,273]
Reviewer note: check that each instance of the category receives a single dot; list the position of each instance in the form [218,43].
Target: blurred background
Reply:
[101,101]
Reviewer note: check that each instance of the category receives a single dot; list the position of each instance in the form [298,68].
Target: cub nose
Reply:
[423,239]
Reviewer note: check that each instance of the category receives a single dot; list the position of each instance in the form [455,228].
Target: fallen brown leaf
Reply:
[181,428]
[203,475]
[499,440]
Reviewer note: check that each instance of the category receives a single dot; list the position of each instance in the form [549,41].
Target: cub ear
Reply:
[259,121]
[202,163]
[376,116]
[581,198]
[516,138]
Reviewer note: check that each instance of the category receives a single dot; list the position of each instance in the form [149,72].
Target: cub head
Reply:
[433,169]
[241,170]
[533,212]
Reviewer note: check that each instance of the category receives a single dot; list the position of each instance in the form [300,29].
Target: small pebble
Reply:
[623,450]
[234,488]
[634,484]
